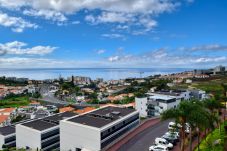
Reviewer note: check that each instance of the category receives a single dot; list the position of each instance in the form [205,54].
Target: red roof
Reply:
[7,110]
[3,118]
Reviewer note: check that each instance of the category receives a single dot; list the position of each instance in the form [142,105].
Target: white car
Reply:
[163,142]
[174,126]
[158,148]
[175,134]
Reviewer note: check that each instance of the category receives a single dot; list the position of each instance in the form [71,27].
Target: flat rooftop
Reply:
[102,117]
[39,125]
[7,130]
[48,122]
[162,97]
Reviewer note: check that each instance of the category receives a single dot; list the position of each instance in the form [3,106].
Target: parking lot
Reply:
[145,139]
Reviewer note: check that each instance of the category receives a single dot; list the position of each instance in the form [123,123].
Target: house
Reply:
[96,129]
[4,120]
[66,109]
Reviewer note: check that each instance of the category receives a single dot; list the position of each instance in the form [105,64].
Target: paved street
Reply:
[145,139]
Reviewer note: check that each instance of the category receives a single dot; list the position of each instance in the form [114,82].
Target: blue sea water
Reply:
[105,73]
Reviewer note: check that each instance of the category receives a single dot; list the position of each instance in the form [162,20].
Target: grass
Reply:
[207,144]
[14,102]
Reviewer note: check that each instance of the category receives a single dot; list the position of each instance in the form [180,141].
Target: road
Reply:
[145,139]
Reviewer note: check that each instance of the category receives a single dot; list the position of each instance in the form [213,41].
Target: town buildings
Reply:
[154,103]
[7,137]
[41,134]
[96,129]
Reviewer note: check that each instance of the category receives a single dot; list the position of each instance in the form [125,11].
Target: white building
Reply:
[154,105]
[198,94]
[95,130]
[7,137]
[41,134]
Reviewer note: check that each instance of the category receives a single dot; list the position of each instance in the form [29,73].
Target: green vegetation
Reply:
[126,100]
[201,115]
[12,149]
[214,141]
[18,118]
[14,101]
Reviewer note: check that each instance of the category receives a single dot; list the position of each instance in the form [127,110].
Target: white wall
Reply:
[141,106]
[74,136]
[2,141]
[26,136]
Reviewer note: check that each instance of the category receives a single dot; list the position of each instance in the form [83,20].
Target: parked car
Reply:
[158,148]
[164,142]
[171,138]
[175,134]
[175,127]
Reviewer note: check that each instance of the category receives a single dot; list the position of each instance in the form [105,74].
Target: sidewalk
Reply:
[125,139]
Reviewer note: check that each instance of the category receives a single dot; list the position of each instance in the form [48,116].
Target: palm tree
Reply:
[201,119]
[181,115]
[213,106]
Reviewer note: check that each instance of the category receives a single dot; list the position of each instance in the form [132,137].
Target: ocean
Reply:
[105,73]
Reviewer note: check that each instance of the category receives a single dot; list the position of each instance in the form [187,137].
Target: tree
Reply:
[199,119]
[181,116]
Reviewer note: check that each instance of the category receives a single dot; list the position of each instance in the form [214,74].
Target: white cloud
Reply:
[110,17]
[19,48]
[47,14]
[114,58]
[100,51]
[17,24]
[165,58]
[123,12]
[76,22]
[208,47]
[70,6]
[114,36]
[18,62]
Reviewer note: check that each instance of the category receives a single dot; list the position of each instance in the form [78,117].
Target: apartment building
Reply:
[96,129]
[150,106]
[7,137]
[154,103]
[41,134]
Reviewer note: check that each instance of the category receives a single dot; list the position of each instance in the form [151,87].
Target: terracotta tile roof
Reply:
[7,110]
[66,109]
[34,102]
[3,118]
[87,109]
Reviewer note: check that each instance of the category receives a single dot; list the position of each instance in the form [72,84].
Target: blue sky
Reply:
[114,33]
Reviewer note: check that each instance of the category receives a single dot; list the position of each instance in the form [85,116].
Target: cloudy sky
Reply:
[113,33]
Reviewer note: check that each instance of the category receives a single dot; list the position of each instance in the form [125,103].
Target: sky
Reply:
[113,33]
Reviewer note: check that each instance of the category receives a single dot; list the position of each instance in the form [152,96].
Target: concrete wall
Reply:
[27,137]
[141,106]
[2,141]
[74,136]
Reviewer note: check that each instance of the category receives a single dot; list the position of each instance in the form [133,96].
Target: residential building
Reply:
[4,120]
[96,129]
[154,105]
[198,94]
[41,134]
[7,137]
